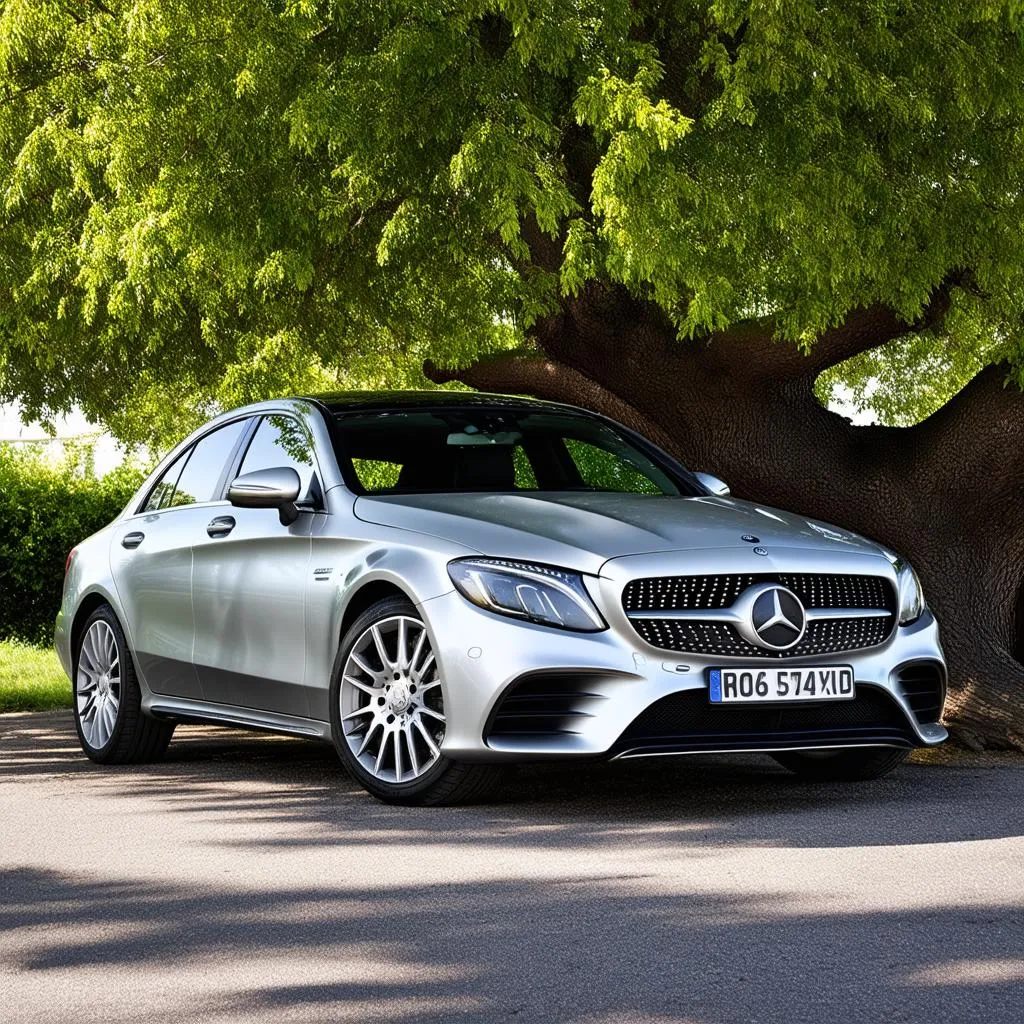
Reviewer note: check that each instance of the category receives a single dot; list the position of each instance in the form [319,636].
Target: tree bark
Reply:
[948,494]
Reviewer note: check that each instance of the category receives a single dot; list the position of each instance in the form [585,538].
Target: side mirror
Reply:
[719,488]
[268,488]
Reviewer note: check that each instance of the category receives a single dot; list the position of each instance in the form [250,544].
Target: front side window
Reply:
[496,449]
[376,474]
[604,470]
[201,475]
[281,441]
[193,476]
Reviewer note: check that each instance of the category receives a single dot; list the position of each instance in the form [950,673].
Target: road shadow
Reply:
[551,950]
[684,802]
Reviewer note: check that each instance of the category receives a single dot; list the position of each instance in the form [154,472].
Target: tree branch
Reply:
[752,344]
[545,251]
[987,418]
[874,326]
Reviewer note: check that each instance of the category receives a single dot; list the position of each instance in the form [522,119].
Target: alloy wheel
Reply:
[98,684]
[392,708]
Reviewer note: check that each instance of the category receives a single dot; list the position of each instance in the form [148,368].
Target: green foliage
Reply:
[907,380]
[45,510]
[31,679]
[607,471]
[376,474]
[204,204]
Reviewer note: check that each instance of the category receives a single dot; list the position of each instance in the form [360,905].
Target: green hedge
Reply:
[45,510]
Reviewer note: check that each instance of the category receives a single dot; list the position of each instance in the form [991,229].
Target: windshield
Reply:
[494,449]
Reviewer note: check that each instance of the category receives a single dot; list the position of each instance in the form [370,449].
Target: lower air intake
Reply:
[687,723]
[543,705]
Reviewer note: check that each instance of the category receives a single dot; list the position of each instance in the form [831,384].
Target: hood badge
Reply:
[750,538]
[760,551]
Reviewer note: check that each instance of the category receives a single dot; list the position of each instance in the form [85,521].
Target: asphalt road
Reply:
[247,878]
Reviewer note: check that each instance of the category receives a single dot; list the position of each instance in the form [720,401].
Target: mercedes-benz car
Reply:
[443,583]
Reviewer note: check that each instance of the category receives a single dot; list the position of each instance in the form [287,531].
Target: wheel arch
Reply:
[390,571]
[367,594]
[382,571]
[89,603]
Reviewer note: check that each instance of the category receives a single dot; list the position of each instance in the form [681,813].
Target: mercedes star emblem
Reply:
[770,616]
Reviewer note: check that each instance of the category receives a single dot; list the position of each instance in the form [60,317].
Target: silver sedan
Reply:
[442,583]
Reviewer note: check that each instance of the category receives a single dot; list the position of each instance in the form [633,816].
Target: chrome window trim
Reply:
[188,446]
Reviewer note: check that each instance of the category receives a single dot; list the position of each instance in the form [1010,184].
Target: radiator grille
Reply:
[815,590]
[825,636]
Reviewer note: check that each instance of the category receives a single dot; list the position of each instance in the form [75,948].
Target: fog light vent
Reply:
[923,685]
[544,704]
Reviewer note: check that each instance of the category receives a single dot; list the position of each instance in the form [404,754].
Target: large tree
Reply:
[699,217]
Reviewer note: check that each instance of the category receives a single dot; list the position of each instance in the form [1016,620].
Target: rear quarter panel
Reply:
[88,581]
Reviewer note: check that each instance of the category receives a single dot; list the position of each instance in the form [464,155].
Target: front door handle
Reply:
[221,526]
[132,540]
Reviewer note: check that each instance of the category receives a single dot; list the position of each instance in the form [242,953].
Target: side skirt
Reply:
[226,714]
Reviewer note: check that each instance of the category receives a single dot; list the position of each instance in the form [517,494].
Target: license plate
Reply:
[771,685]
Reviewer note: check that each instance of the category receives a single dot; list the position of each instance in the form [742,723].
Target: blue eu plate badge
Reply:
[716,685]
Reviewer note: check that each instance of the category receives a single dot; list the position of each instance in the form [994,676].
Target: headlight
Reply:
[537,593]
[911,596]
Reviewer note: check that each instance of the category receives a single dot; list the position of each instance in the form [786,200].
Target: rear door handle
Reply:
[221,526]
[132,540]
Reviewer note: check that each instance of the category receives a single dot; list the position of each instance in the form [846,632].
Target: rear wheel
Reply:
[108,702]
[388,713]
[857,765]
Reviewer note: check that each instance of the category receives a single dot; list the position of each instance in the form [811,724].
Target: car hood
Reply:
[583,530]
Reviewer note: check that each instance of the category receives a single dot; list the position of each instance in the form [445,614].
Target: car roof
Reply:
[358,401]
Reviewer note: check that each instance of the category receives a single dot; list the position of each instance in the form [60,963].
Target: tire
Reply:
[857,765]
[388,723]
[111,726]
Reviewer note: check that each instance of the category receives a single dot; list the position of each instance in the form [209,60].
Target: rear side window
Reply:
[163,490]
[525,478]
[282,441]
[193,476]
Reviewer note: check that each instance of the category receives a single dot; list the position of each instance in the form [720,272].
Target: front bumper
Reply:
[483,657]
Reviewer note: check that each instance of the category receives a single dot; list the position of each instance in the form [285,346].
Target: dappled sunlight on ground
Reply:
[248,876]
[1003,970]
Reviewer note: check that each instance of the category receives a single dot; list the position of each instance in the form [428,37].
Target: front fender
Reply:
[343,568]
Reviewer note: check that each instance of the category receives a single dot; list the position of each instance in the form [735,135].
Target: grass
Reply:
[31,678]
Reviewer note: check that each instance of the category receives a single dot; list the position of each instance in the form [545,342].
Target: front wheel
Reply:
[857,765]
[388,713]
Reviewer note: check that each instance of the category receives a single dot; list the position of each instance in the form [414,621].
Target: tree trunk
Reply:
[948,493]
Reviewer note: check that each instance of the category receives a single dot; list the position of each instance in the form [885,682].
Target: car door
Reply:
[151,561]
[249,577]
